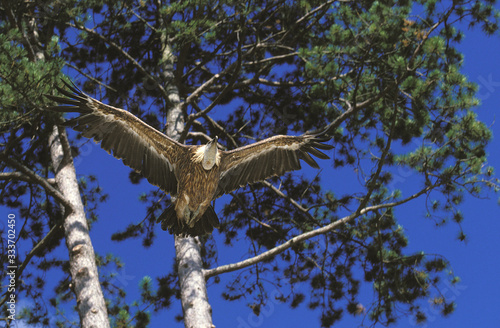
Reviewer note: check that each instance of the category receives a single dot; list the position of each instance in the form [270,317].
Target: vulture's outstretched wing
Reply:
[140,146]
[269,157]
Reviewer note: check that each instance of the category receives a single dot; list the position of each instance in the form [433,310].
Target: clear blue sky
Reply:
[476,262]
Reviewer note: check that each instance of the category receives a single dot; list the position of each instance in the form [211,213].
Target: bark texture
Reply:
[192,283]
[194,298]
[85,278]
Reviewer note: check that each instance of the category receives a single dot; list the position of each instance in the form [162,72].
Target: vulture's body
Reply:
[193,175]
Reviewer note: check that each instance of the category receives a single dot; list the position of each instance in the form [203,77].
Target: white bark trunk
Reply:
[85,279]
[194,297]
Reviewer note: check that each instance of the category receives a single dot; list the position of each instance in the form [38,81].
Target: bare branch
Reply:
[199,135]
[91,77]
[217,126]
[31,176]
[202,88]
[39,246]
[308,235]
[288,198]
[142,19]
[14,176]
[270,59]
[234,69]
[125,54]
[307,15]
[372,183]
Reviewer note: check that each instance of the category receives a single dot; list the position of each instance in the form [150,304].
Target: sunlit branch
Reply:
[14,176]
[270,59]
[288,198]
[195,94]
[308,235]
[286,83]
[142,19]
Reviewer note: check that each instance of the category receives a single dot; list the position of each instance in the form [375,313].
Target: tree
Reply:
[25,165]
[390,76]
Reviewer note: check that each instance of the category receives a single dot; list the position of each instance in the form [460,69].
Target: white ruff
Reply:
[199,155]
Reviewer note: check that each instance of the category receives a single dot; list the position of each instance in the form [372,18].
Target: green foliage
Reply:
[22,81]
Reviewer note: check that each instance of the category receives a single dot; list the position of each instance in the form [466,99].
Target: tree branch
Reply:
[216,125]
[270,59]
[234,68]
[90,77]
[39,246]
[125,54]
[31,176]
[308,14]
[288,198]
[308,235]
[14,176]
[372,183]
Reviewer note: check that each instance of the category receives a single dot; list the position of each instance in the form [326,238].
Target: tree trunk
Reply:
[194,298]
[192,283]
[85,279]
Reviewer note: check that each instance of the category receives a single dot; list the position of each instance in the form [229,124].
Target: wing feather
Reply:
[308,159]
[134,159]
[139,145]
[270,157]
[313,151]
[110,139]
[82,121]
[124,146]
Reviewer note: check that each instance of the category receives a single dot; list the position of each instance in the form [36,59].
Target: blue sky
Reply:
[476,262]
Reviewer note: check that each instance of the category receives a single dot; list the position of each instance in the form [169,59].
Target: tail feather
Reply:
[204,225]
[168,218]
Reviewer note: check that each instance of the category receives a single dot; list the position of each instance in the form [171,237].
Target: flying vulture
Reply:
[194,175]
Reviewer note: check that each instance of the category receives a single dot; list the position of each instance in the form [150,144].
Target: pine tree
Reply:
[278,67]
[26,73]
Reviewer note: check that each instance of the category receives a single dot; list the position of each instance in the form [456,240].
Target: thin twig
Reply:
[125,54]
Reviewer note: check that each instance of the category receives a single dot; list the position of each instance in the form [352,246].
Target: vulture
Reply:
[194,175]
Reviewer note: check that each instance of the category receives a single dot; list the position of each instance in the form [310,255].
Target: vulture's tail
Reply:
[204,225]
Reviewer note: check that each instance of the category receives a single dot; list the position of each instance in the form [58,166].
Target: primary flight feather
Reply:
[194,175]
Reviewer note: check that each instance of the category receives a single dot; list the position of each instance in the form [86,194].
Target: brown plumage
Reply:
[193,175]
